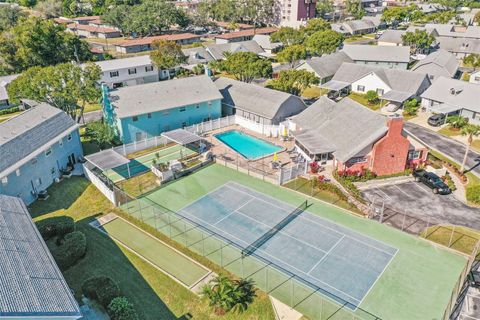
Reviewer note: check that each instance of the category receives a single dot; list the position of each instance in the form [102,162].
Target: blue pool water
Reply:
[248,146]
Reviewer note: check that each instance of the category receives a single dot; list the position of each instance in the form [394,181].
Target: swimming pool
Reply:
[248,146]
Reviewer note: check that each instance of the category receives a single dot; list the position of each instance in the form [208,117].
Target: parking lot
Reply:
[421,205]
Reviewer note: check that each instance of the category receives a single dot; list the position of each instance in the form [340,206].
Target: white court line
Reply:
[228,215]
[378,277]
[317,217]
[274,258]
[326,255]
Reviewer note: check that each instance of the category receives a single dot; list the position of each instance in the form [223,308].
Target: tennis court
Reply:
[344,264]
[143,163]
[170,261]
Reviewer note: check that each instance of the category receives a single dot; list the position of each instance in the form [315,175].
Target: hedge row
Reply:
[350,186]
[71,250]
[107,293]
[9,110]
[55,227]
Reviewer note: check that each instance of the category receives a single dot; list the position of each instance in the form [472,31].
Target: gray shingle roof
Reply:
[30,283]
[353,26]
[327,65]
[4,81]
[398,80]
[115,64]
[24,136]
[466,95]
[164,95]
[392,36]
[254,98]
[217,50]
[442,59]
[377,53]
[459,45]
[448,30]
[346,127]
[263,41]
[197,55]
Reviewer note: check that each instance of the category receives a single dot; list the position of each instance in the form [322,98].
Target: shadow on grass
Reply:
[104,257]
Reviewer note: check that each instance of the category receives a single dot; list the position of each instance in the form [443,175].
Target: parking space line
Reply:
[418,185]
[401,191]
[386,195]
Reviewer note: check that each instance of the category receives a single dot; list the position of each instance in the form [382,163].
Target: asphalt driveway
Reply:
[421,205]
[449,147]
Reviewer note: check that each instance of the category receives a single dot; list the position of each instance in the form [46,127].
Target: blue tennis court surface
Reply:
[344,264]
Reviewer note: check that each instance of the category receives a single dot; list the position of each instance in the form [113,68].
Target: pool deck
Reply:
[220,149]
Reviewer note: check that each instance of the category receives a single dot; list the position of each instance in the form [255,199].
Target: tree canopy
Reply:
[166,54]
[292,54]
[246,66]
[315,25]
[293,81]
[324,42]
[39,42]
[419,39]
[9,17]
[66,86]
[258,12]
[354,8]
[148,18]
[472,60]
[288,36]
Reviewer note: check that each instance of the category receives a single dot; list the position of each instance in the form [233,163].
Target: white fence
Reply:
[101,185]
[206,126]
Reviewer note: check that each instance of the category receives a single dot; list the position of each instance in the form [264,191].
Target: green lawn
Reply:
[449,131]
[314,92]
[459,238]
[404,291]
[155,295]
[360,98]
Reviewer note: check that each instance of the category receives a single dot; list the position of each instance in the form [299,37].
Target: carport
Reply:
[184,138]
[337,89]
[108,159]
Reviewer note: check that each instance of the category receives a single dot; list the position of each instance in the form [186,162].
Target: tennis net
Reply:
[270,233]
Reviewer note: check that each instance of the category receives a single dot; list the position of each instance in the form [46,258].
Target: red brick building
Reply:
[353,138]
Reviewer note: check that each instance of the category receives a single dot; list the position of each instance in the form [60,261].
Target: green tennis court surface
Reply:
[417,284]
[143,163]
[156,252]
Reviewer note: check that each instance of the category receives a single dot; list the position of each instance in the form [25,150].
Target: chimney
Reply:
[395,125]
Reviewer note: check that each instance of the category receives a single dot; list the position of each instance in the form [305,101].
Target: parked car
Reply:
[436,120]
[432,181]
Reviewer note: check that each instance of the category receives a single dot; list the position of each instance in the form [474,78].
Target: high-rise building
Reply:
[294,13]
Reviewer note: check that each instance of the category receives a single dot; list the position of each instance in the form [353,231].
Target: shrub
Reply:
[55,227]
[102,289]
[70,250]
[410,107]
[121,309]
[9,110]
[372,96]
[473,194]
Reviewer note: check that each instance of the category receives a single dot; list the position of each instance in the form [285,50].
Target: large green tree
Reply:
[288,36]
[354,8]
[166,54]
[418,40]
[293,81]
[315,25]
[225,294]
[66,86]
[470,131]
[9,17]
[50,8]
[292,54]
[246,66]
[39,42]
[324,7]
[257,12]
[324,42]
[472,60]
[395,15]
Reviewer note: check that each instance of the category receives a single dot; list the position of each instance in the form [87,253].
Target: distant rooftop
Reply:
[149,40]
[115,64]
[377,53]
[164,95]
[31,285]
[246,33]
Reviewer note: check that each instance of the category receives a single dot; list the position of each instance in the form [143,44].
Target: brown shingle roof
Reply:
[246,33]
[86,27]
[149,40]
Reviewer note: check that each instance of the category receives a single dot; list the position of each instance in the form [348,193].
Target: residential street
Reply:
[449,147]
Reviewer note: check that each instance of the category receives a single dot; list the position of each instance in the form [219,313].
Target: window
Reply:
[182,109]
[132,71]
[4,180]
[113,74]
[17,172]
[356,160]
[69,137]
[380,92]
[52,171]
[360,88]
[134,118]
[414,154]
[148,68]
[166,112]
[48,152]
[149,115]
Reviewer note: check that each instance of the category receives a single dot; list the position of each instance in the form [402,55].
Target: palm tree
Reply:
[471,131]
[226,294]
[457,121]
